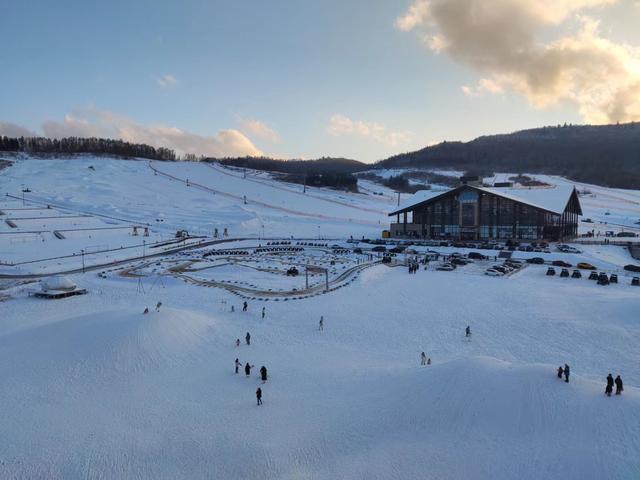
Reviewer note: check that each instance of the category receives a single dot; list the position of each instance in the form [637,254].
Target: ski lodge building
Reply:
[473,211]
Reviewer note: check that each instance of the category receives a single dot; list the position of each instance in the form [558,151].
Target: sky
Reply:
[361,79]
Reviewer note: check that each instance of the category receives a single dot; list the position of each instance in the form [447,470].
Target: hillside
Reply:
[607,155]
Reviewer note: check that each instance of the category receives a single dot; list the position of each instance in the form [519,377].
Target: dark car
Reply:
[564,273]
[551,271]
[379,248]
[632,268]
[593,276]
[635,281]
[458,261]
[536,260]
[603,279]
[561,263]
[357,250]
[397,249]
[613,278]
[576,274]
[292,272]
[476,256]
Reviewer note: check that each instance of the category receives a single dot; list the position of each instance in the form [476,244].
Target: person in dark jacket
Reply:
[619,386]
[247,369]
[560,372]
[263,373]
[567,372]
[259,396]
[245,305]
[609,388]
[238,365]
[247,338]
[423,358]
[467,331]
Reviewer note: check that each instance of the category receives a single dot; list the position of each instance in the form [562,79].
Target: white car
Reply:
[445,267]
[493,273]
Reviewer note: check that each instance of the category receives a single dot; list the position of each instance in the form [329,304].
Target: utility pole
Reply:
[82,251]
[144,243]
[398,198]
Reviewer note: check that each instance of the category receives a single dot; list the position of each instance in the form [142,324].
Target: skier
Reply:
[609,387]
[158,305]
[237,342]
[560,372]
[247,338]
[321,323]
[245,305]
[423,358]
[247,369]
[567,372]
[263,373]
[467,332]
[263,312]
[619,386]
[259,396]
[238,365]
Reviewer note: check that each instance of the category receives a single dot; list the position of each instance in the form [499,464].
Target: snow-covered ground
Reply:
[93,388]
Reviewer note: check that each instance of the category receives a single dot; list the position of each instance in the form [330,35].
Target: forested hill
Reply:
[319,166]
[606,155]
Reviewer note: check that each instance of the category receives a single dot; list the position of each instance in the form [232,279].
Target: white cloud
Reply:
[259,129]
[507,42]
[166,81]
[342,125]
[12,130]
[91,122]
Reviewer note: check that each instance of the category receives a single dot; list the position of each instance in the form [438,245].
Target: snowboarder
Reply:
[146,310]
[467,332]
[619,386]
[567,372]
[158,305]
[247,369]
[247,338]
[237,342]
[238,365]
[423,358]
[263,373]
[263,312]
[259,396]
[321,323]
[609,388]
[560,372]
[245,305]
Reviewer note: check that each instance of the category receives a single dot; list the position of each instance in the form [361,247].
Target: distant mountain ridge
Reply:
[604,154]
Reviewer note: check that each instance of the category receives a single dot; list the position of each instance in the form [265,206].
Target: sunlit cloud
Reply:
[166,81]
[342,125]
[257,128]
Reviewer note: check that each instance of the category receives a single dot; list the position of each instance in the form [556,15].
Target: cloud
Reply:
[341,125]
[166,81]
[12,130]
[92,122]
[258,129]
[515,45]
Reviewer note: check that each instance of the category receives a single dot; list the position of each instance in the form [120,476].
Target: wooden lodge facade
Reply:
[473,212]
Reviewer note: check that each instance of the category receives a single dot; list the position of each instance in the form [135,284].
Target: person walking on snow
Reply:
[423,358]
[263,373]
[247,338]
[467,332]
[237,342]
[247,369]
[245,305]
[560,372]
[263,312]
[158,305]
[609,388]
[321,323]
[619,386]
[567,372]
[238,365]
[259,396]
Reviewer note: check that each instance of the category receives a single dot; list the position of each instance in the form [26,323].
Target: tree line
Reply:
[92,145]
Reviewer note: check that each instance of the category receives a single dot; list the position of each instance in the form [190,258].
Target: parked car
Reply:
[593,276]
[603,279]
[397,249]
[500,268]
[564,273]
[551,271]
[585,266]
[561,263]
[379,248]
[587,220]
[568,249]
[292,272]
[493,273]
[476,256]
[627,234]
[458,261]
[536,260]
[632,268]
[446,267]
[357,250]
[635,281]
[576,274]
[613,278]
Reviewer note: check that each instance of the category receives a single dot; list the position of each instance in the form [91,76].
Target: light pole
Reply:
[82,252]
[263,232]
[144,243]
[318,232]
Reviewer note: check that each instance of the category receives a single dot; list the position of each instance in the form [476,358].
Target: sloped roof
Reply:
[552,199]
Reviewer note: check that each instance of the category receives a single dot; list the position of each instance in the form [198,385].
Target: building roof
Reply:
[552,199]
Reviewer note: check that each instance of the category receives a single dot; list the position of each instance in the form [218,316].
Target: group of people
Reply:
[247,340]
[610,382]
[158,305]
[566,371]
[424,360]
[248,367]
[414,266]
